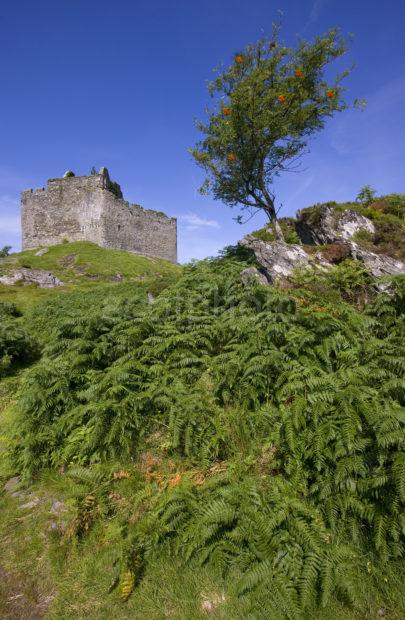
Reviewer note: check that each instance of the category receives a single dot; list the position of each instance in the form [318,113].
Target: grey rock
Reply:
[251,274]
[12,279]
[12,485]
[322,262]
[377,265]
[41,252]
[151,298]
[31,504]
[277,258]
[44,279]
[332,226]
[53,526]
[57,507]
[351,222]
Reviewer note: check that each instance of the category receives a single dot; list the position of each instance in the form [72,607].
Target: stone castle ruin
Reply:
[91,208]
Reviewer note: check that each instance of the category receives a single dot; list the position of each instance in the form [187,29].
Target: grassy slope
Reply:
[83,265]
[88,272]
[73,581]
[53,577]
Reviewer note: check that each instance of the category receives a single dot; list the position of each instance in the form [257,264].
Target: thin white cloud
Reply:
[9,224]
[192,221]
[386,97]
[391,93]
[300,190]
[316,10]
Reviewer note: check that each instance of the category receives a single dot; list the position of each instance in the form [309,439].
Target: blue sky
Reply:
[119,85]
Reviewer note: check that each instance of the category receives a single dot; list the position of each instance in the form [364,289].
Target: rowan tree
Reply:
[267,104]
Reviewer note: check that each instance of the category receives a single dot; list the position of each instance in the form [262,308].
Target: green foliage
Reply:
[5,251]
[366,194]
[8,309]
[16,345]
[115,188]
[287,225]
[268,102]
[348,280]
[297,398]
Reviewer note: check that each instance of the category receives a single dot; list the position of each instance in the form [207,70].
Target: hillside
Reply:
[233,449]
[82,266]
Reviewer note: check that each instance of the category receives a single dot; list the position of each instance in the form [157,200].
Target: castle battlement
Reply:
[92,208]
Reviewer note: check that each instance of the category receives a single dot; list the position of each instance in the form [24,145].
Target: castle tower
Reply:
[91,208]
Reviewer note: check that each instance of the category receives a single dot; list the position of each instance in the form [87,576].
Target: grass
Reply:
[84,265]
[77,262]
[71,579]
[46,572]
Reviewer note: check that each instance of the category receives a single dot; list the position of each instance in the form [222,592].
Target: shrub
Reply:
[287,225]
[5,251]
[16,346]
[366,194]
[299,403]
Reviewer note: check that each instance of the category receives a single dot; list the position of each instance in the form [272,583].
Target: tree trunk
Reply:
[272,215]
[275,226]
[277,230]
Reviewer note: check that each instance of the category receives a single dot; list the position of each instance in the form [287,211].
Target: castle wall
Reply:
[84,209]
[69,209]
[129,227]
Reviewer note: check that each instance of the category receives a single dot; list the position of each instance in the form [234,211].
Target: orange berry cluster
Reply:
[232,157]
[226,111]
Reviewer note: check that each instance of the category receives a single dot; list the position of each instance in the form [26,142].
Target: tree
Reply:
[267,104]
[366,194]
[5,251]
[93,171]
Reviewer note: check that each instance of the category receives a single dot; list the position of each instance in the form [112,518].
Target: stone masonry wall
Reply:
[85,209]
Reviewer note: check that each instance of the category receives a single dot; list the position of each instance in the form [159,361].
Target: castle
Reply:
[91,208]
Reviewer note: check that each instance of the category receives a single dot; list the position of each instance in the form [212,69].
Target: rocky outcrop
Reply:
[44,279]
[251,274]
[351,222]
[325,225]
[277,258]
[377,265]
